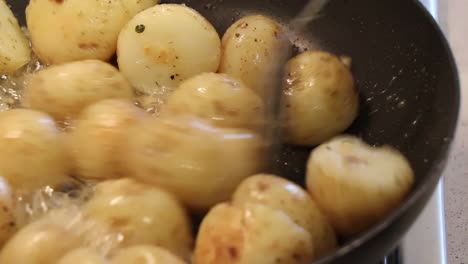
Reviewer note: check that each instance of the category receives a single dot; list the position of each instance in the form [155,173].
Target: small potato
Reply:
[320,98]
[143,214]
[144,254]
[251,233]
[95,143]
[14,46]
[32,150]
[225,101]
[355,184]
[82,256]
[166,44]
[38,243]
[71,30]
[281,194]
[250,51]
[199,163]
[63,91]
[8,225]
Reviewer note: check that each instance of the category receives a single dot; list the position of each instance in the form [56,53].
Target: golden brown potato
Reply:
[145,254]
[63,91]
[8,225]
[281,194]
[82,256]
[355,184]
[225,101]
[251,233]
[320,98]
[40,242]
[95,144]
[200,163]
[14,46]
[250,51]
[166,44]
[71,30]
[32,150]
[143,214]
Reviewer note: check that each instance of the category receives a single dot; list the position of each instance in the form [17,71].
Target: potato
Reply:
[251,233]
[14,46]
[225,101]
[32,150]
[166,44]
[145,254]
[320,98]
[64,90]
[8,225]
[250,51]
[82,256]
[355,184]
[281,194]
[38,243]
[134,7]
[143,214]
[71,30]
[95,144]
[196,161]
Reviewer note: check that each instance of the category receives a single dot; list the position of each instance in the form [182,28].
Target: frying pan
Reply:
[409,87]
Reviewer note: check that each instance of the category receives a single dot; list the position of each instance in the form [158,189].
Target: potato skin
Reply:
[38,243]
[250,50]
[198,162]
[71,30]
[143,214]
[63,91]
[281,194]
[320,98]
[223,100]
[134,7]
[8,224]
[14,46]
[355,184]
[96,142]
[144,254]
[154,51]
[82,256]
[251,233]
[33,150]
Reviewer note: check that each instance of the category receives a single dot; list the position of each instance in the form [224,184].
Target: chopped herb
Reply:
[140,28]
[172,77]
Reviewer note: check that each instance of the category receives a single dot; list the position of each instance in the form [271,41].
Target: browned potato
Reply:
[32,150]
[251,233]
[355,184]
[8,225]
[225,101]
[145,254]
[198,162]
[143,214]
[320,98]
[281,194]
[96,141]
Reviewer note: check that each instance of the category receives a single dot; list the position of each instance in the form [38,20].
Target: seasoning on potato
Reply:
[71,30]
[82,256]
[8,225]
[225,101]
[14,46]
[251,233]
[32,150]
[95,143]
[63,91]
[166,44]
[281,194]
[143,214]
[198,162]
[145,254]
[320,100]
[355,184]
[250,51]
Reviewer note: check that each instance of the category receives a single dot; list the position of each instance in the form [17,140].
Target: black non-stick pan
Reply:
[409,89]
